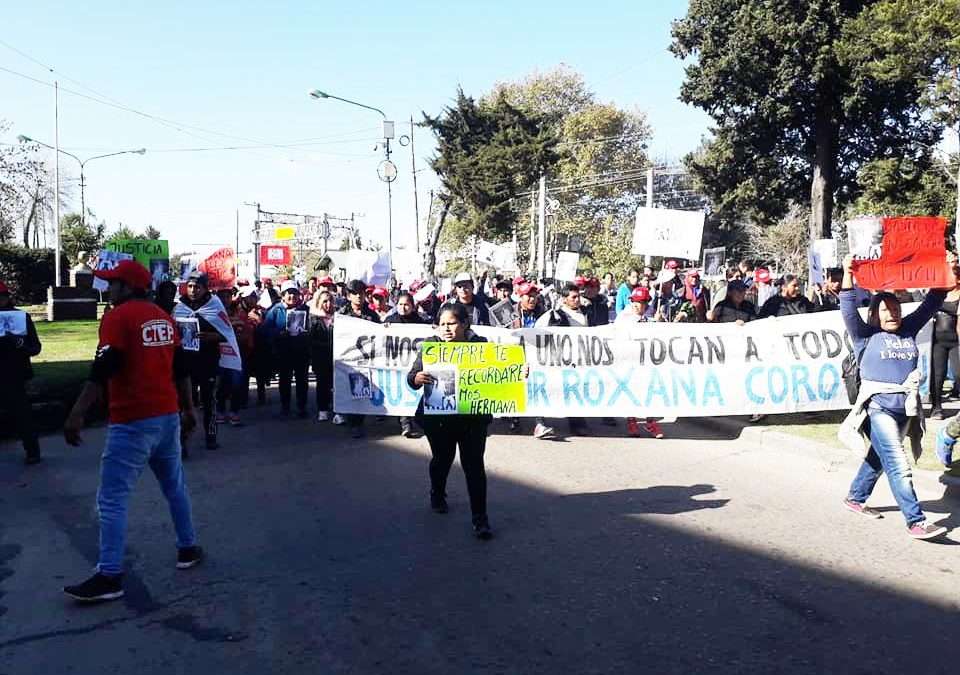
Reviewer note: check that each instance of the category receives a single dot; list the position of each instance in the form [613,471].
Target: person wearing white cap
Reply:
[475,302]
[286,328]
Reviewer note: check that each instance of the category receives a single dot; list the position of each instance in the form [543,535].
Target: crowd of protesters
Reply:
[256,330]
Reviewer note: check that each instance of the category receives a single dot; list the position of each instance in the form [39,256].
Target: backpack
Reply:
[850,371]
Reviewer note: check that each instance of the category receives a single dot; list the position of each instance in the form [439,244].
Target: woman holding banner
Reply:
[446,432]
[888,407]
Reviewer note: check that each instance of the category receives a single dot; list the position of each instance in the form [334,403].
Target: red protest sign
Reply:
[913,256]
[221,268]
[274,255]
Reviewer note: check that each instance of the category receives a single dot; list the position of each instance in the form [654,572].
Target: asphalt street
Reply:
[702,552]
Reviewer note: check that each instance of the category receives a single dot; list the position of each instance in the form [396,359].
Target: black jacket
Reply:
[778,305]
[438,419]
[413,317]
[727,312]
[321,340]
[16,350]
[366,313]
[597,311]
[478,311]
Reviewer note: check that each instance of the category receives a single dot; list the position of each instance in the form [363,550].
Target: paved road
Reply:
[613,555]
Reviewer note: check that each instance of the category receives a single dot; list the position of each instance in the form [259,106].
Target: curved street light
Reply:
[82,163]
[387,171]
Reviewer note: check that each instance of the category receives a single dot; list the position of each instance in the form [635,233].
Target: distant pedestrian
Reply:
[17,345]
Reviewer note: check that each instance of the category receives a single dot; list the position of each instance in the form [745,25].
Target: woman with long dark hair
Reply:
[446,432]
[888,407]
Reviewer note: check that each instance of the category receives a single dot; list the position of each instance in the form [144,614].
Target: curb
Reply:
[769,439]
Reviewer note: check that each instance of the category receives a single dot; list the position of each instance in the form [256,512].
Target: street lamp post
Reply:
[387,171]
[83,163]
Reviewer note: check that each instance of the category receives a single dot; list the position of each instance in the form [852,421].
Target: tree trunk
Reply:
[824,171]
[433,238]
[29,222]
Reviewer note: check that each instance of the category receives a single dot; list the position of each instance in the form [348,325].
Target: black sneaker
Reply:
[936,414]
[438,502]
[98,588]
[30,460]
[188,557]
[481,528]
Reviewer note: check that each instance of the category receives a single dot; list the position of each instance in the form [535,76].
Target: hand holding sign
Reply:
[913,256]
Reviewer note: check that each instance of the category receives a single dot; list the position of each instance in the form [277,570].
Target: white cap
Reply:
[289,286]
[463,276]
[248,291]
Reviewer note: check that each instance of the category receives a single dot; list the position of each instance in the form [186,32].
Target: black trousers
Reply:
[16,406]
[323,369]
[942,353]
[291,368]
[206,386]
[263,368]
[470,434]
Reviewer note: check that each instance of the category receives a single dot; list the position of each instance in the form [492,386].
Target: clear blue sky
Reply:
[243,69]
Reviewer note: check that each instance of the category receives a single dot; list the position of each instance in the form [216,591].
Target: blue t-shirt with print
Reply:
[883,356]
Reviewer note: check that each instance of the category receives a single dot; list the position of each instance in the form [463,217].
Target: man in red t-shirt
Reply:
[138,363]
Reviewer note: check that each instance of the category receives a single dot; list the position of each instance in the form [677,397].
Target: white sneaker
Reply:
[338,419]
[542,431]
[323,416]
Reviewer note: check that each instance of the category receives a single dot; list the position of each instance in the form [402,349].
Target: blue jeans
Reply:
[888,455]
[129,448]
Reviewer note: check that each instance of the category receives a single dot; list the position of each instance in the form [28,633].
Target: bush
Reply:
[27,271]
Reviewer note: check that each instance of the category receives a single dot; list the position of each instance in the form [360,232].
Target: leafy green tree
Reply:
[77,237]
[122,232]
[599,179]
[796,114]
[903,187]
[486,155]
[151,232]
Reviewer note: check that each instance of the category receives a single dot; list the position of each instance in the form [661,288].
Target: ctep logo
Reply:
[157,333]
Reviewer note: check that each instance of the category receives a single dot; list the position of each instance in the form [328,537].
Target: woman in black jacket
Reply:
[446,432]
[405,312]
[321,352]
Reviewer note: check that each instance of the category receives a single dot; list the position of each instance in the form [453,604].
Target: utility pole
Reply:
[646,258]
[416,207]
[255,240]
[532,257]
[542,215]
[56,189]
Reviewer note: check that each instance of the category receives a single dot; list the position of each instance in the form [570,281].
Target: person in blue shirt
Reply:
[290,343]
[626,288]
[887,354]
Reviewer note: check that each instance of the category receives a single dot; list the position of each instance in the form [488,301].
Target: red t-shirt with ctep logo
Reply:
[146,338]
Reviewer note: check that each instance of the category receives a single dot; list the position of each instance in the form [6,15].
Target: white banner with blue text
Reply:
[780,365]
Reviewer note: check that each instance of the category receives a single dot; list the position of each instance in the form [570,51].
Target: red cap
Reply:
[581,281]
[415,286]
[132,273]
[640,294]
[243,282]
[694,273]
[519,281]
[527,289]
[3,288]
[593,282]
[326,281]
[671,265]
[380,292]
[762,275]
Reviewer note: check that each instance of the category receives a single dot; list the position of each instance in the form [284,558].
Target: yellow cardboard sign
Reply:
[474,378]
[284,233]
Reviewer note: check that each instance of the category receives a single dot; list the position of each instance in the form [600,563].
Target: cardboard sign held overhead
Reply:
[567,263]
[913,256]
[220,267]
[668,232]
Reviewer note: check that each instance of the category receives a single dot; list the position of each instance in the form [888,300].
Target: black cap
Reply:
[356,286]
[199,277]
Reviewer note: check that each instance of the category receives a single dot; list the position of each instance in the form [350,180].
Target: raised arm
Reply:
[914,322]
[856,326]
